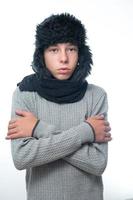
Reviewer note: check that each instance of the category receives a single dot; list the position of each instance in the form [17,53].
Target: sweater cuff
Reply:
[87,134]
[35,128]
[43,129]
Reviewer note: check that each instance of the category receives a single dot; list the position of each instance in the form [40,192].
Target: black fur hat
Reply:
[62,28]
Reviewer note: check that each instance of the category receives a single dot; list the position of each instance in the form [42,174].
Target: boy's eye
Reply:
[72,49]
[54,50]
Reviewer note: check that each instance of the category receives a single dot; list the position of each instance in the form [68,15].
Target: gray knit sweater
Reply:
[61,160]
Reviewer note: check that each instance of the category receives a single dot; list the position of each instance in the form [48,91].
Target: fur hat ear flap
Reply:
[38,64]
[84,64]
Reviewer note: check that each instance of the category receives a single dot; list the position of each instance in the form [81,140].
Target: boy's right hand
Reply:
[101,128]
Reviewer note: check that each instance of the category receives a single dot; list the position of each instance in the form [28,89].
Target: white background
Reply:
[110,32]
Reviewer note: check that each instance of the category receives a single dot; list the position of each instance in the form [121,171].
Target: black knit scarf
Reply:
[58,91]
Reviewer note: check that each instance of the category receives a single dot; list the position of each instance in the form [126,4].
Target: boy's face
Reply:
[61,60]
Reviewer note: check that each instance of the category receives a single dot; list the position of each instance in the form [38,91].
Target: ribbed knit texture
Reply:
[61,160]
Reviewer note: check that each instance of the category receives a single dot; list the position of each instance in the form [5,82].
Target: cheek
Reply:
[75,61]
[48,62]
[76,58]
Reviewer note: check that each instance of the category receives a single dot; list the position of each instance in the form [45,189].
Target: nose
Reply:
[63,56]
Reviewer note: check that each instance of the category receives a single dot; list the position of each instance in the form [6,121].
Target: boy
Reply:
[59,130]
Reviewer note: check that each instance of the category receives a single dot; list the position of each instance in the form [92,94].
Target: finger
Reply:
[13,136]
[107,129]
[22,113]
[12,121]
[99,116]
[11,126]
[106,123]
[13,131]
[107,134]
[107,139]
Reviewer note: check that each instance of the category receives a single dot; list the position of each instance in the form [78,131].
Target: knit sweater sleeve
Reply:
[92,158]
[32,151]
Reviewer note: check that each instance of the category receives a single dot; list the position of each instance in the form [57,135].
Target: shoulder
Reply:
[96,98]
[24,100]
[95,94]
[96,90]
[19,93]
[25,96]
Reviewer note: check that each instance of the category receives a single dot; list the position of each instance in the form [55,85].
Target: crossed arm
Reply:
[75,146]
[24,125]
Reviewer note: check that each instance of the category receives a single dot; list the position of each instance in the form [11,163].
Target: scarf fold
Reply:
[58,91]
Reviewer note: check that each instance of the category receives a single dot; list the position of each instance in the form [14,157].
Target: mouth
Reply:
[64,71]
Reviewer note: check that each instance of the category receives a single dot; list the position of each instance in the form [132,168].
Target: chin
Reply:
[62,77]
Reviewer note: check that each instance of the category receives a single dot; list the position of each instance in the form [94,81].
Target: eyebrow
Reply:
[56,45]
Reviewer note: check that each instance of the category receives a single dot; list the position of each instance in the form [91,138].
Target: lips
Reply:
[64,71]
